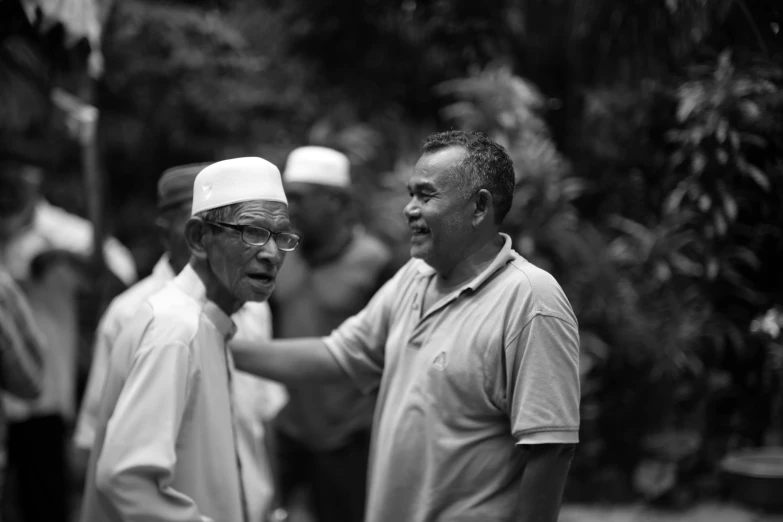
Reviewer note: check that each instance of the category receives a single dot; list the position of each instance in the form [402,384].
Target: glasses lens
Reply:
[287,241]
[255,235]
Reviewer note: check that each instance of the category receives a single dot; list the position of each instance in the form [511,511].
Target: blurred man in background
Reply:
[21,343]
[324,431]
[47,250]
[257,400]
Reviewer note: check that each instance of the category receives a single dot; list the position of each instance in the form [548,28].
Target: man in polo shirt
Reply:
[474,352]
[324,430]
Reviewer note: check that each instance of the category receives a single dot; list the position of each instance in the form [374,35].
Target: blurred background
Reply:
[648,143]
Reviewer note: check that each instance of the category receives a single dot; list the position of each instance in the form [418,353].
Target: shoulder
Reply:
[535,290]
[173,316]
[123,307]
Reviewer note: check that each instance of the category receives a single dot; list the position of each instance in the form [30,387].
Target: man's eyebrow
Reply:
[420,185]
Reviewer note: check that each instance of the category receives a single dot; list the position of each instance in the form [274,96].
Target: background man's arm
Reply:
[21,343]
[541,490]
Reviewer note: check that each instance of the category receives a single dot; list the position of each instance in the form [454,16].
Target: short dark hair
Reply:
[486,166]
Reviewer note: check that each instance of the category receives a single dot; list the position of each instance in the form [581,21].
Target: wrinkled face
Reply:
[248,272]
[438,214]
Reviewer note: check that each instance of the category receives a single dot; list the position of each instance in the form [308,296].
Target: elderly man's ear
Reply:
[196,231]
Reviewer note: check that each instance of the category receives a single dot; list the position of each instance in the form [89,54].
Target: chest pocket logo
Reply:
[440,361]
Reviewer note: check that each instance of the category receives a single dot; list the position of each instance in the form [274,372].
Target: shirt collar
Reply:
[162,268]
[503,257]
[189,282]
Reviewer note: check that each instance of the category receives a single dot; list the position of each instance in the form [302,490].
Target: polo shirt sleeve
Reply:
[542,379]
[359,343]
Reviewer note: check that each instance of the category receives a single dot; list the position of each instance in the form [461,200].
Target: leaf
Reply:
[674,199]
[730,206]
[705,202]
[722,131]
[653,478]
[698,163]
[758,176]
[713,267]
[720,223]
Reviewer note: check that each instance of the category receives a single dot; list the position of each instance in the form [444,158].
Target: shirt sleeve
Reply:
[86,425]
[21,343]
[359,343]
[543,390]
[136,466]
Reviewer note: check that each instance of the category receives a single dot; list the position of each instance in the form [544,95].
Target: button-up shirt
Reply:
[165,444]
[257,400]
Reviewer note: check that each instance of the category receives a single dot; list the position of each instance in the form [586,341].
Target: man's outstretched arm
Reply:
[290,361]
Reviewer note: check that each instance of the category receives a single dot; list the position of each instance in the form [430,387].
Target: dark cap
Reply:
[176,185]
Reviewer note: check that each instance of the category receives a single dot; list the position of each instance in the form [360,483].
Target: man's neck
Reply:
[471,266]
[331,248]
[215,291]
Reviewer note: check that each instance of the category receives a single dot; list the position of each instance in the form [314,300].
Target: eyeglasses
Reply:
[257,236]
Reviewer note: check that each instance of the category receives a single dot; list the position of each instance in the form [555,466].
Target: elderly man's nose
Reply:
[270,252]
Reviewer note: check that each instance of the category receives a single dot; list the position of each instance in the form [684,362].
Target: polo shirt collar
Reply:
[503,257]
[189,282]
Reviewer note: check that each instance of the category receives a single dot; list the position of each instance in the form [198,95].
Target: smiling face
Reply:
[248,272]
[439,215]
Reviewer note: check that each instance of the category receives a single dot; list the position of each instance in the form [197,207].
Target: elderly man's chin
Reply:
[256,290]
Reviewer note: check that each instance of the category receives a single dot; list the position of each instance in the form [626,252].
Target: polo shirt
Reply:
[492,365]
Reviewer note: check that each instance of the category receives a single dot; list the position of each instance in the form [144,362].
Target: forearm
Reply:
[290,361]
[543,481]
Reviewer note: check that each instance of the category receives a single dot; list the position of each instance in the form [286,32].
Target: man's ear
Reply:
[195,232]
[483,207]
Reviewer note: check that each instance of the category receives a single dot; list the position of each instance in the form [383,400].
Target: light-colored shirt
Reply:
[165,445]
[257,401]
[490,366]
[312,301]
[54,301]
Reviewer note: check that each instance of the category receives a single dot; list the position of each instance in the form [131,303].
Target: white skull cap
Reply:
[235,181]
[318,165]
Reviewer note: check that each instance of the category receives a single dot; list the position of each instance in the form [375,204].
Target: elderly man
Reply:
[166,443]
[257,400]
[324,431]
[473,349]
